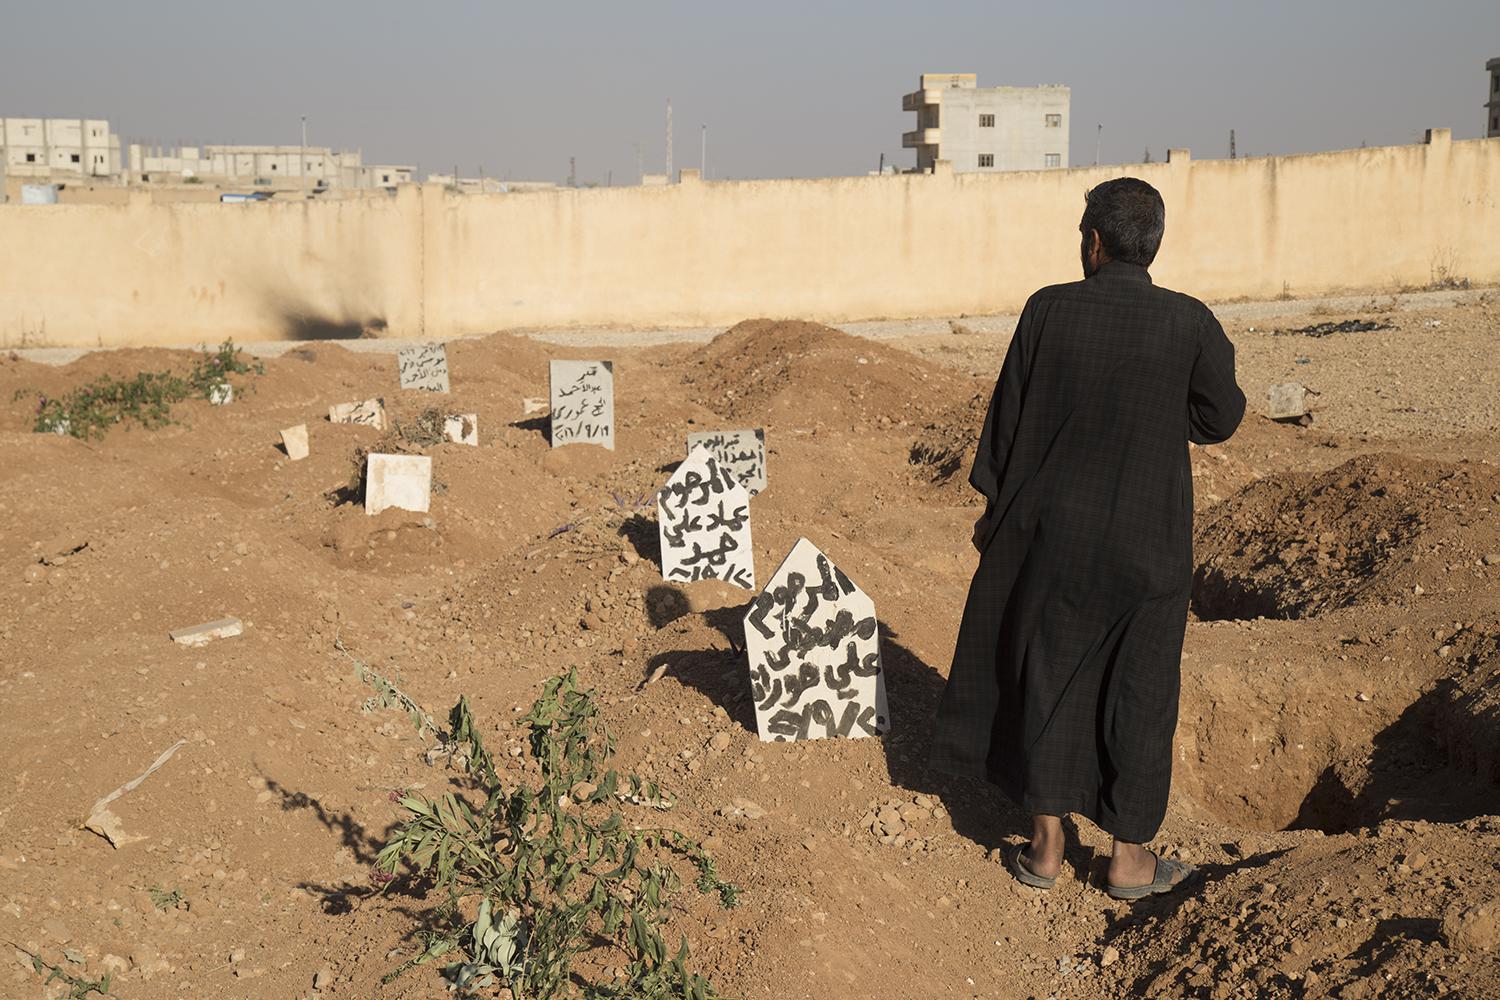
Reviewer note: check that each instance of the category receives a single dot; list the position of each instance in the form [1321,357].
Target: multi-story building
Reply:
[1492,128]
[987,128]
[59,148]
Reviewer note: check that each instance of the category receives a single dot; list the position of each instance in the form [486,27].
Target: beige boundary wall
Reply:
[428,263]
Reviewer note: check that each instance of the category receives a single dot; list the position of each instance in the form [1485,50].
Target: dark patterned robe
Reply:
[1065,680]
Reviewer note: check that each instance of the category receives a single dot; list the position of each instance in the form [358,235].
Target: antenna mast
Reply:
[669,140]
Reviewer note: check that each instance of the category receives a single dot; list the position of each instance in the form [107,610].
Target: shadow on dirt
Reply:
[541,425]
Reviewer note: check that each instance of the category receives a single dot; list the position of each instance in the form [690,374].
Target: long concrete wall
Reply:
[427,263]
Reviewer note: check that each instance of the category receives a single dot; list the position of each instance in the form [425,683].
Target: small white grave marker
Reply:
[403,481]
[814,649]
[424,367]
[583,403]
[294,440]
[533,404]
[462,428]
[197,635]
[1288,400]
[703,520]
[221,394]
[370,413]
[743,453]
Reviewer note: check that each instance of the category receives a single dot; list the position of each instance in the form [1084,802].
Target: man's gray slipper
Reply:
[1166,880]
[1016,862]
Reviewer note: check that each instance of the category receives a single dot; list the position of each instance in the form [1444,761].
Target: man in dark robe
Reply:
[1065,679]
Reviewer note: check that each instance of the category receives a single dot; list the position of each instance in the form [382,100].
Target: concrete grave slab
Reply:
[294,440]
[703,521]
[221,394]
[462,428]
[531,405]
[401,481]
[742,452]
[583,403]
[197,635]
[369,413]
[424,367]
[814,649]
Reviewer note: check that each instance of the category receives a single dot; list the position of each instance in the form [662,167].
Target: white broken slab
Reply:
[197,635]
[401,481]
[294,440]
[814,650]
[369,413]
[424,367]
[462,428]
[742,452]
[703,521]
[533,404]
[583,403]
[1288,400]
[221,394]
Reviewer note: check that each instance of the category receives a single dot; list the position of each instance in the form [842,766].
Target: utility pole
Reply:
[1098,138]
[881,171]
[640,166]
[669,140]
[703,156]
[1231,144]
[572,173]
[302,157]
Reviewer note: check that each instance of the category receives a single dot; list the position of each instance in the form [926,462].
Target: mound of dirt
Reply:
[1377,528]
[945,446]
[1468,717]
[803,374]
[1399,914]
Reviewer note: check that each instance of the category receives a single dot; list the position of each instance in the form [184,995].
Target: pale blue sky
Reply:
[787,89]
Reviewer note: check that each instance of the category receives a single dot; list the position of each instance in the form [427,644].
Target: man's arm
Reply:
[1215,402]
[999,430]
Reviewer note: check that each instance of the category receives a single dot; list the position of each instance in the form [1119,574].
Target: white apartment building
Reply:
[983,129]
[277,167]
[58,148]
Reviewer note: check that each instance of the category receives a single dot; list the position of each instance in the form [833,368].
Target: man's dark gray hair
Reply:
[1130,217]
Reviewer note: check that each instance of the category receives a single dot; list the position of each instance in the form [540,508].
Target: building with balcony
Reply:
[1492,109]
[984,129]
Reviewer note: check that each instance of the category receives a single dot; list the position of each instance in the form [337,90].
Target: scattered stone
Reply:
[720,742]
[1110,957]
[198,635]
[323,978]
[400,481]
[1473,928]
[1288,401]
[294,441]
[1492,559]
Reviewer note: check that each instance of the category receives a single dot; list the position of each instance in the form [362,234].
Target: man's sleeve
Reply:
[999,429]
[1215,402]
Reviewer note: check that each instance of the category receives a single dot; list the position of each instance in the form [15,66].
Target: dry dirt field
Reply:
[1338,769]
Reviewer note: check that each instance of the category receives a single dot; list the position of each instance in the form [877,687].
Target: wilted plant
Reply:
[550,867]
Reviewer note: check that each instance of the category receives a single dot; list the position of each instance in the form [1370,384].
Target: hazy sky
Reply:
[786,89]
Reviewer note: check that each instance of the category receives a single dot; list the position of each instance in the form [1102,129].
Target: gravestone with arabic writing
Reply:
[462,428]
[424,367]
[583,403]
[814,649]
[370,413]
[703,520]
[743,453]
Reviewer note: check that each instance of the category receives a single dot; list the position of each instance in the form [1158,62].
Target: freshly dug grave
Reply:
[1379,528]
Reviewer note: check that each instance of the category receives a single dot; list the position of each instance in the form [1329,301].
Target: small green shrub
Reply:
[78,986]
[91,410]
[550,868]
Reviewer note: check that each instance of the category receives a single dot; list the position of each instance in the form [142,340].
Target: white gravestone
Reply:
[1288,400]
[424,367]
[703,520]
[743,453]
[294,440]
[814,649]
[370,413]
[221,394]
[403,481]
[462,428]
[583,403]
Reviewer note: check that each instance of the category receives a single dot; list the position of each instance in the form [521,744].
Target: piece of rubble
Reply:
[1288,401]
[294,440]
[197,635]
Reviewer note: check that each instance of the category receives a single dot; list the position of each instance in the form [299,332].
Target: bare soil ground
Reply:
[1338,771]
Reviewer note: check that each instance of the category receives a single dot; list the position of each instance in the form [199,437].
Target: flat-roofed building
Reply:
[1492,109]
[982,129]
[59,149]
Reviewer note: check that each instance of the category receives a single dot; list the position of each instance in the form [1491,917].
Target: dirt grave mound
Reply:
[1468,715]
[1376,529]
[944,448]
[801,374]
